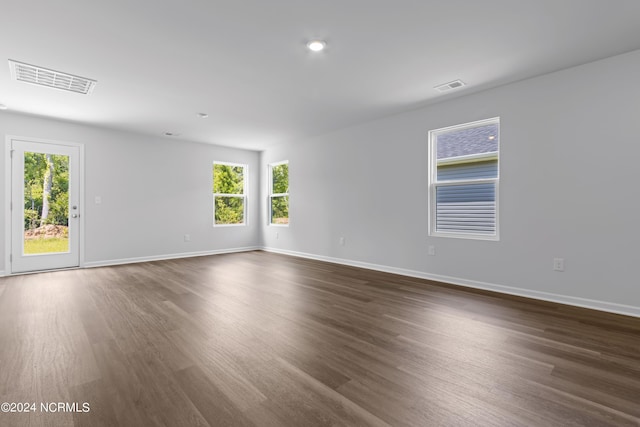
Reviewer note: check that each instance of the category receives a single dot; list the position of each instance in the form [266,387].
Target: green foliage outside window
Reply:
[46,176]
[280,194]
[228,187]
[280,210]
[280,178]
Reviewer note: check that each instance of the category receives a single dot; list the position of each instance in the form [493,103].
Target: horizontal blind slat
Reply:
[468,208]
[468,171]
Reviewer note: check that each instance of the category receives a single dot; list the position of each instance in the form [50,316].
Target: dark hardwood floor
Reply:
[269,340]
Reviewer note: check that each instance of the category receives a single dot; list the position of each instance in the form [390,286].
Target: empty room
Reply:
[290,213]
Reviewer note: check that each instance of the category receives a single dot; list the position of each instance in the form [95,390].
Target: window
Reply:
[279,193]
[463,180]
[229,194]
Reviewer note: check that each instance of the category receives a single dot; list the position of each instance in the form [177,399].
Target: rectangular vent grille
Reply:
[451,85]
[50,78]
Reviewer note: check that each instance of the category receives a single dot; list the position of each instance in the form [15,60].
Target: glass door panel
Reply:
[46,203]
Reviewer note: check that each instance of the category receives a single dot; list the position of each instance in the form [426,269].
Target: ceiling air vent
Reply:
[451,85]
[50,78]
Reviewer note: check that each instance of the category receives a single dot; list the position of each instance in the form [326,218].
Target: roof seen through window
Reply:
[464,142]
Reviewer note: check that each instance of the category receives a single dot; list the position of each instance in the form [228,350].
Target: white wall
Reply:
[153,190]
[570,149]
[569,155]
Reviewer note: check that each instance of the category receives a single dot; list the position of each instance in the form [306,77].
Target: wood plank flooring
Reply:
[269,340]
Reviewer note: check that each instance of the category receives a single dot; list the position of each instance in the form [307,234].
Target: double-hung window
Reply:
[463,180]
[279,193]
[229,194]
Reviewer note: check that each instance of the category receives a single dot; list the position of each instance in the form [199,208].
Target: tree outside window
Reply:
[279,193]
[229,193]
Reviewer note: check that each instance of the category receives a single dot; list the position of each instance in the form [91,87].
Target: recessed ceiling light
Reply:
[316,45]
[3,107]
[492,137]
[203,115]
[169,134]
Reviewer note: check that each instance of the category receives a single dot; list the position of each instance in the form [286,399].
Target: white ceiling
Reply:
[244,62]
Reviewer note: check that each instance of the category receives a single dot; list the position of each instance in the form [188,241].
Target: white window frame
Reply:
[272,195]
[245,176]
[434,183]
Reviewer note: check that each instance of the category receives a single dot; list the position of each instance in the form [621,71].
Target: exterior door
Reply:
[45,206]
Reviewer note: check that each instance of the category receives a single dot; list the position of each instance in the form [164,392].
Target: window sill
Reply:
[493,238]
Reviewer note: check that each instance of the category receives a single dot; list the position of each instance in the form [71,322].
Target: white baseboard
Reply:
[610,307]
[109,262]
[1,273]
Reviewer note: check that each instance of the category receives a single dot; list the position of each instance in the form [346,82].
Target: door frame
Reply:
[7,198]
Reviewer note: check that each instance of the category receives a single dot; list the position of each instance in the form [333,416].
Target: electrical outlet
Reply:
[558,264]
[431,250]
[277,235]
[98,200]
[341,241]
[187,238]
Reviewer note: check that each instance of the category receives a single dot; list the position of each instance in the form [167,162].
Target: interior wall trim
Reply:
[106,263]
[610,307]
